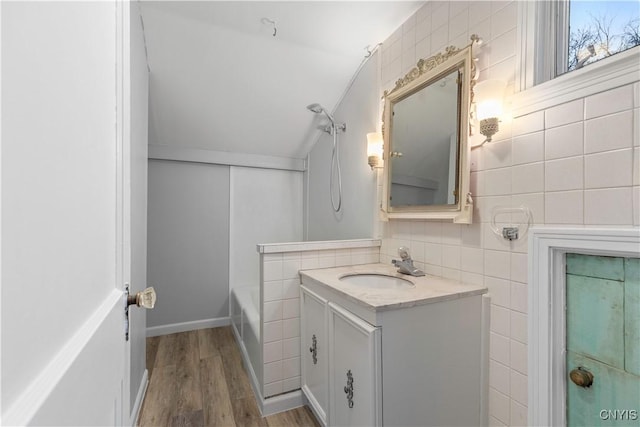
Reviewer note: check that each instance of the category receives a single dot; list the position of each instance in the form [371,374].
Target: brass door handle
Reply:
[145,298]
[581,377]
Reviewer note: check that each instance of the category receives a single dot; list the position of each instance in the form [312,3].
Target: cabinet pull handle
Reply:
[349,388]
[314,349]
[581,377]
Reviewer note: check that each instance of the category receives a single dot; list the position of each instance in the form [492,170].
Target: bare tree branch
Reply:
[579,41]
[631,36]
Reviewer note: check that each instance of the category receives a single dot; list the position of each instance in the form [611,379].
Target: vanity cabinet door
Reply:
[355,392]
[314,354]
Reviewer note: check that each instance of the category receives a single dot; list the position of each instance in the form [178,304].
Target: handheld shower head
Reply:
[317,108]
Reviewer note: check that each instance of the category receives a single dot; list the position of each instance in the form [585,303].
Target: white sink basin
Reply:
[376,281]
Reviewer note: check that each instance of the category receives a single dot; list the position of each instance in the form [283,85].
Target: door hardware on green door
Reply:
[581,377]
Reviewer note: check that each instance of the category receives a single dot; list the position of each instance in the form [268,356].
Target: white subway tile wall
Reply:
[575,164]
[281,308]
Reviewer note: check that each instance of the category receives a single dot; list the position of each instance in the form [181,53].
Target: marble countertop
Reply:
[426,290]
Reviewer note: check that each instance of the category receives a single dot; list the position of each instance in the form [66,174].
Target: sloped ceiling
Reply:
[221,81]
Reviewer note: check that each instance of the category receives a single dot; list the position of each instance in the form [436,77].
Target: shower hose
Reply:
[335,165]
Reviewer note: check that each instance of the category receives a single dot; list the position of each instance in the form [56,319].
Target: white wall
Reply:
[359,110]
[205,221]
[266,207]
[188,242]
[573,164]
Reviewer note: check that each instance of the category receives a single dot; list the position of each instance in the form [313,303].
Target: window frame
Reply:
[541,57]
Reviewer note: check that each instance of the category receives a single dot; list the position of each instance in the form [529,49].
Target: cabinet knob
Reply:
[581,377]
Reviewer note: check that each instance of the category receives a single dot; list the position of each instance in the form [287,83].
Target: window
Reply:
[597,30]
[549,73]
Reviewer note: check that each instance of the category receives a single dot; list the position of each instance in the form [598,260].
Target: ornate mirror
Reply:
[426,129]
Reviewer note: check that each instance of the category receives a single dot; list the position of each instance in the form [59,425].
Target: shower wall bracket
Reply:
[520,219]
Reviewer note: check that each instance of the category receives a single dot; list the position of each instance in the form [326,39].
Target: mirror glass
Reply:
[425,133]
[426,130]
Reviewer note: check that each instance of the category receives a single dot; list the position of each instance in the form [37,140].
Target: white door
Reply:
[315,353]
[355,376]
[65,206]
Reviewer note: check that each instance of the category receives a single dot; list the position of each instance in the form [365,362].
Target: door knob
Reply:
[581,377]
[145,298]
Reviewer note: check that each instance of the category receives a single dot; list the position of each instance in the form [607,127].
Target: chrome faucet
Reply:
[405,265]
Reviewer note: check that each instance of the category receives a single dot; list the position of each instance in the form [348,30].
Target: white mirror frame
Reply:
[426,71]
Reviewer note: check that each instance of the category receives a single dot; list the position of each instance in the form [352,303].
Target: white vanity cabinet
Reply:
[394,360]
[345,391]
[314,354]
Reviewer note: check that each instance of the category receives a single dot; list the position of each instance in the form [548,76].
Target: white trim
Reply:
[619,70]
[269,248]
[137,405]
[281,403]
[35,394]
[546,335]
[165,152]
[173,328]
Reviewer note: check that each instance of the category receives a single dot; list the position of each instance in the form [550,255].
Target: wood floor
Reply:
[197,379]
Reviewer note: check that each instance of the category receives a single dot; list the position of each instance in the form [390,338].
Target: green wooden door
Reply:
[603,338]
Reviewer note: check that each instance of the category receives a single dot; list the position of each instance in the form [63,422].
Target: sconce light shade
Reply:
[374,149]
[489,95]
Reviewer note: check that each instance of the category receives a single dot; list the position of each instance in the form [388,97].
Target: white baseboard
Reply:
[281,403]
[173,328]
[137,405]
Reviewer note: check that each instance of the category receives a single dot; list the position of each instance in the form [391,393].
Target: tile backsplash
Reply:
[573,164]
[280,266]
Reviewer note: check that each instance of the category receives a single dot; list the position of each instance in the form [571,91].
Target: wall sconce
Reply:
[489,96]
[374,149]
